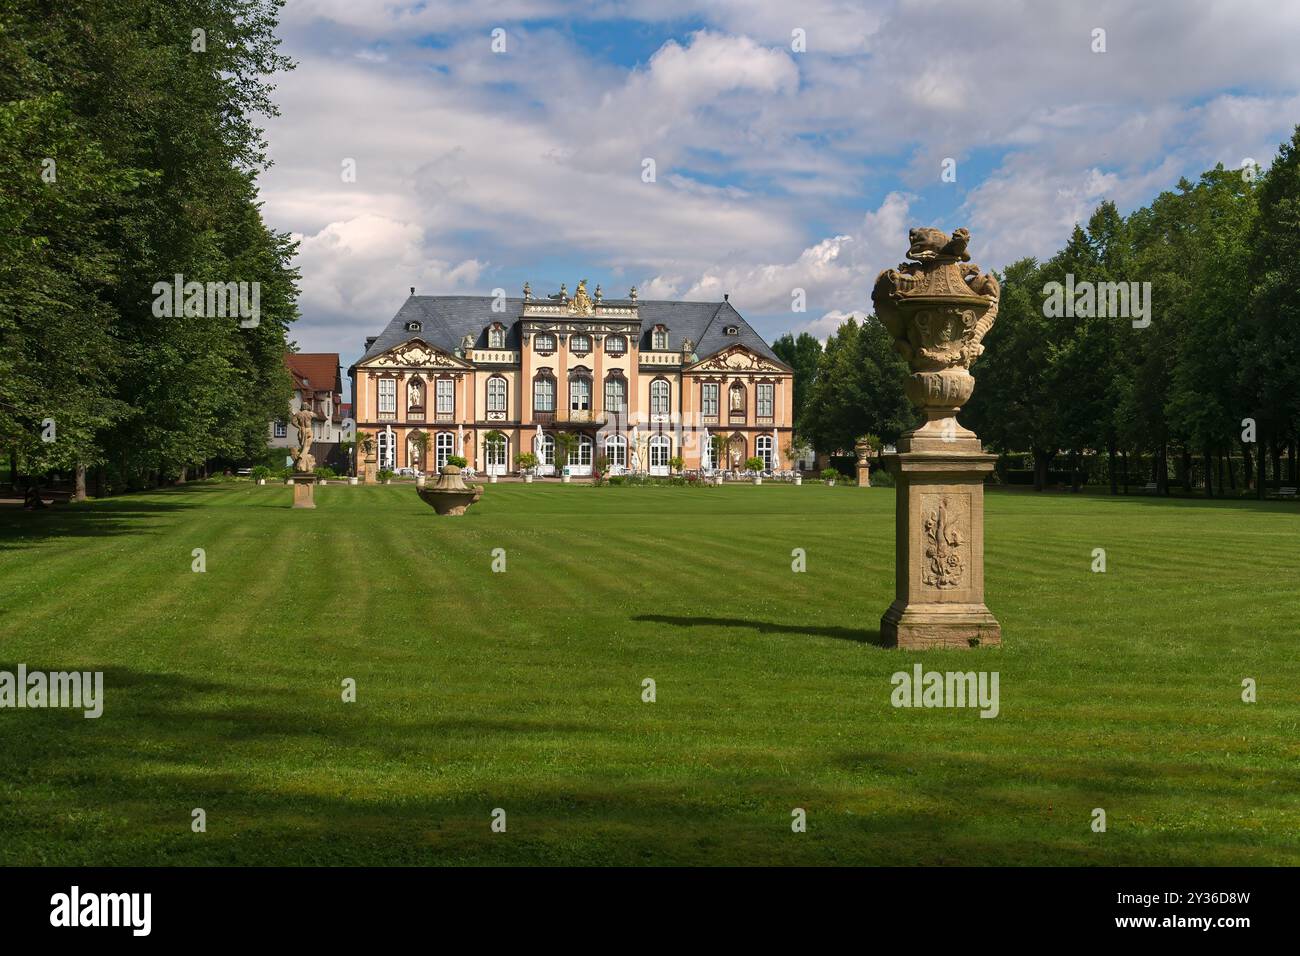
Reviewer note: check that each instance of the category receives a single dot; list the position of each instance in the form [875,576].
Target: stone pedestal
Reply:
[864,475]
[369,471]
[304,491]
[939,550]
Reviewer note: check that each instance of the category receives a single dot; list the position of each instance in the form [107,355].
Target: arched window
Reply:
[546,455]
[387,447]
[544,342]
[660,451]
[659,400]
[496,337]
[580,456]
[763,449]
[580,344]
[496,394]
[446,444]
[616,451]
[580,394]
[615,345]
[544,394]
[659,338]
[615,394]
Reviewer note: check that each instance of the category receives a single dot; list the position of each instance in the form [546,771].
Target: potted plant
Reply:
[494,437]
[829,475]
[677,464]
[718,445]
[365,444]
[755,464]
[259,474]
[565,443]
[422,441]
[792,452]
[386,475]
[527,463]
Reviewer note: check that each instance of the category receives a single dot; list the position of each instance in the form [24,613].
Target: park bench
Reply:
[1149,487]
[1286,492]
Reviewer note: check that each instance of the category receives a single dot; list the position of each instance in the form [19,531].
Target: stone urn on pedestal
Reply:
[938,308]
[450,495]
[862,447]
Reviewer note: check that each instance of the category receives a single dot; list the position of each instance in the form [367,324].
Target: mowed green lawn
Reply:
[522,690]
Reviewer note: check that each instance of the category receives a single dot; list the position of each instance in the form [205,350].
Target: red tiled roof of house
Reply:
[320,369]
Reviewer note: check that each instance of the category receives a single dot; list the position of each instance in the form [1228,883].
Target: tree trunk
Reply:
[1161,470]
[1074,471]
[1041,459]
[1232,471]
[1125,471]
[13,469]
[1290,462]
[1110,466]
[1276,447]
[1209,473]
[1185,459]
[1245,466]
[79,484]
[99,482]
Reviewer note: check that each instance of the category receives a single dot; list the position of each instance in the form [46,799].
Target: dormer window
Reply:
[544,343]
[496,337]
[732,330]
[659,338]
[414,326]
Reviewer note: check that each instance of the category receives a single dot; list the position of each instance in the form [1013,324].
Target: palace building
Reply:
[638,383]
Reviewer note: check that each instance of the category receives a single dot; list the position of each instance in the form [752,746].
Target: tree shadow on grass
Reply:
[857,635]
[129,514]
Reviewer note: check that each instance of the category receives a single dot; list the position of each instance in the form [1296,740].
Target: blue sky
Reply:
[777,169]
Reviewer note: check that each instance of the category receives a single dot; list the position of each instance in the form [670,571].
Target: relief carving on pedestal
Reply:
[946,524]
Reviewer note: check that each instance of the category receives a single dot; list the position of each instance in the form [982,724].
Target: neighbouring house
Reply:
[638,383]
[318,384]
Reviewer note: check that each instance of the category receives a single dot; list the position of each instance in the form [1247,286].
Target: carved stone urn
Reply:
[862,447]
[938,308]
[450,495]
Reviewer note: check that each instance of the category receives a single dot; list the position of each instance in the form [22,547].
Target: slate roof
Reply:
[446,319]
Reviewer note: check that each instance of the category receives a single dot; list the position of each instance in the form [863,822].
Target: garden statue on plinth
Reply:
[450,496]
[304,463]
[938,308]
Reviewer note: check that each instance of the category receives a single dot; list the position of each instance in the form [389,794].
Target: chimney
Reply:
[726,297]
[412,290]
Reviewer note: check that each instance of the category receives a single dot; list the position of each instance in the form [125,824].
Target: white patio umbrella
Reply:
[776,453]
[460,440]
[539,442]
[635,442]
[705,449]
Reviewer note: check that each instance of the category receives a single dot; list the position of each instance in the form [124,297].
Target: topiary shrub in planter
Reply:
[830,476]
[527,463]
[755,464]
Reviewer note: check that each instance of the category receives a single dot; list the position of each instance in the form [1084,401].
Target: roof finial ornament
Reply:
[528,291]
[564,292]
[632,294]
[581,301]
[598,294]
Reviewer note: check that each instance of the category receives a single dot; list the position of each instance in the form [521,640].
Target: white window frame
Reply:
[496,338]
[386,445]
[498,398]
[548,384]
[544,342]
[616,452]
[661,402]
[766,398]
[496,455]
[446,396]
[706,399]
[388,395]
[579,394]
[659,339]
[615,345]
[584,348]
[619,385]
[763,450]
[444,446]
[281,429]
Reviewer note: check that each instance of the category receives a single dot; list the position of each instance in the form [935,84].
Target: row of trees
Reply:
[1207,383]
[129,150]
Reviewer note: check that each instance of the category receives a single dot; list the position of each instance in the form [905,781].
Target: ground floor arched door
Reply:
[661,448]
[496,455]
[580,456]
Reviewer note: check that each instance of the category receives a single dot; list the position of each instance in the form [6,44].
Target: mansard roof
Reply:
[446,319]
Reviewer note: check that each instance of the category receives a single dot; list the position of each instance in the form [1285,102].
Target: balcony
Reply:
[543,418]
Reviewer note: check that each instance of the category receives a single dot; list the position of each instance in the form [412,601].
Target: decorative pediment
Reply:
[737,358]
[415,354]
